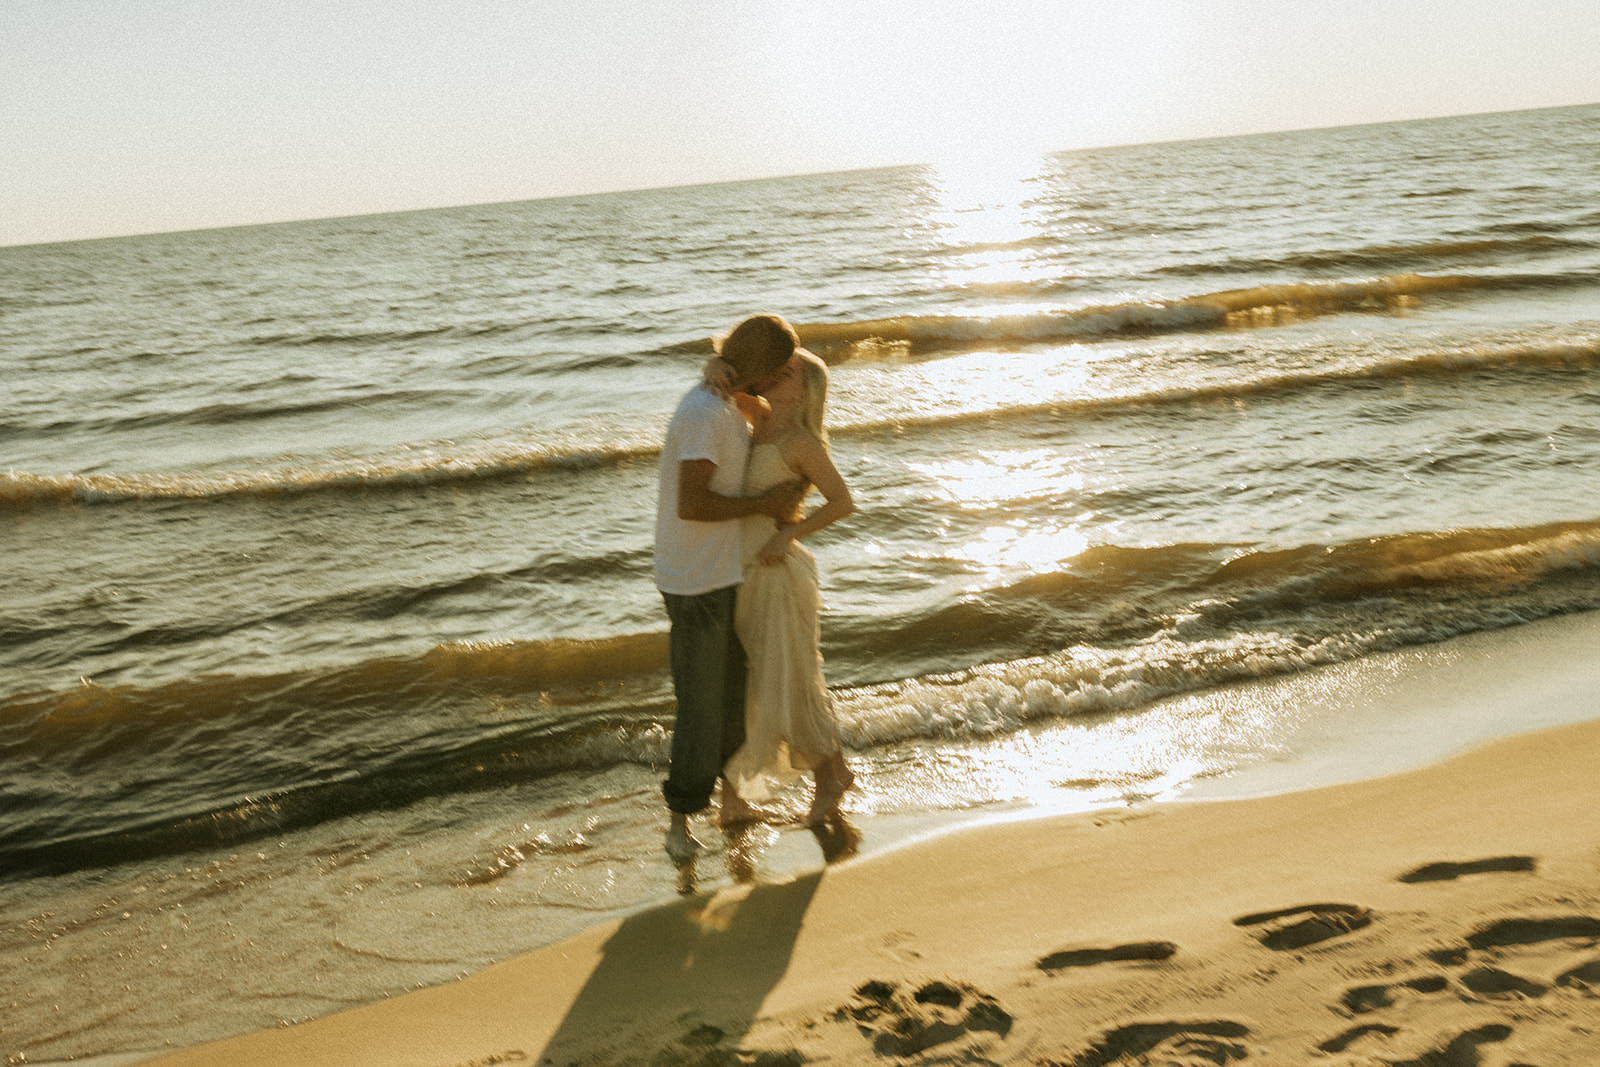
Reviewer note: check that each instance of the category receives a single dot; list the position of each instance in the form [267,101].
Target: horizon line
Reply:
[465,205]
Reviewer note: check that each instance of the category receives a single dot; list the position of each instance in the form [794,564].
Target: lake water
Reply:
[330,661]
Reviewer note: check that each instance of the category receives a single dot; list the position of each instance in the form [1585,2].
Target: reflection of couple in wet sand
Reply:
[743,448]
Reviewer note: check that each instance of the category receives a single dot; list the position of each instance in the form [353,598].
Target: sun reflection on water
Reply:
[1001,482]
[1075,762]
[973,383]
[983,212]
[994,476]
[1016,544]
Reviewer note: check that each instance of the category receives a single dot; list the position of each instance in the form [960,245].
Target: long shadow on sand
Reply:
[692,974]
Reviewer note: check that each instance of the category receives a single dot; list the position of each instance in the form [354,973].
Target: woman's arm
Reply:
[809,457]
[718,376]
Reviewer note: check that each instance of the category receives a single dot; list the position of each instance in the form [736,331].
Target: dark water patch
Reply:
[1454,190]
[206,814]
[100,775]
[386,601]
[43,641]
[1416,256]
[60,722]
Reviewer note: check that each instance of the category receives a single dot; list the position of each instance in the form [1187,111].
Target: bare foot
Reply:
[681,845]
[839,839]
[831,788]
[736,811]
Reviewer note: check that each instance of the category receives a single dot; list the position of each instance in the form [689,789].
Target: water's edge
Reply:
[1487,686]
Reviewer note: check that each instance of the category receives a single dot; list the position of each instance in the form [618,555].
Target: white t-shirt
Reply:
[697,557]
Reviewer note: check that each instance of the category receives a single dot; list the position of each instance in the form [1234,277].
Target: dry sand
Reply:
[1446,916]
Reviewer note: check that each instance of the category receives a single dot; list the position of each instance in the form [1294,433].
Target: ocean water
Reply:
[330,663]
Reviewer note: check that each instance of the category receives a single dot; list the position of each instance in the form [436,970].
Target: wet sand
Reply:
[1444,915]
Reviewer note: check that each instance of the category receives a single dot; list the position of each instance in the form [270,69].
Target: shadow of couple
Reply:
[694,973]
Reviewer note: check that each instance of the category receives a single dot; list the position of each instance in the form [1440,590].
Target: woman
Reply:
[790,726]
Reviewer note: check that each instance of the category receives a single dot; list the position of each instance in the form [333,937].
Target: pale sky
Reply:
[134,116]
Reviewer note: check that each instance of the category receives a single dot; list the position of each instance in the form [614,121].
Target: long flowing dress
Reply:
[789,720]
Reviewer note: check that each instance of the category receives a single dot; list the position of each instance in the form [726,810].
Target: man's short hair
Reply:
[759,345]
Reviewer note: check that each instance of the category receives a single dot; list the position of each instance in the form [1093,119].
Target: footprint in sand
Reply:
[1510,933]
[1493,982]
[1089,957]
[1340,1042]
[1446,870]
[703,1045]
[1180,1044]
[1458,1051]
[905,1022]
[1585,976]
[1461,1049]
[1367,998]
[1450,955]
[1308,924]
[1524,931]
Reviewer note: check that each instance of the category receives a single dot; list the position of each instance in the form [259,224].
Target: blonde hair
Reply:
[814,375]
[758,346]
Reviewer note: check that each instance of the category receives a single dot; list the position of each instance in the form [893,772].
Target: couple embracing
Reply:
[742,450]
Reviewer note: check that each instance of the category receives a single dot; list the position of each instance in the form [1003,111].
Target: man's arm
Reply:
[697,502]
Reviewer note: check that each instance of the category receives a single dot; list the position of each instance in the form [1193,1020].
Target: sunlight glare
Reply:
[983,215]
[991,479]
[1001,483]
[1012,545]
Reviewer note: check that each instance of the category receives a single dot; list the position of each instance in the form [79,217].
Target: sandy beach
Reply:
[1446,915]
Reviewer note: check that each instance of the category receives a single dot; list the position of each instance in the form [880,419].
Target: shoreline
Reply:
[1023,938]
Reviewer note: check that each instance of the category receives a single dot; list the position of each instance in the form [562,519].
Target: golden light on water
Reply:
[1064,766]
[1075,766]
[981,210]
[990,477]
[1093,759]
[999,481]
[973,383]
[1007,546]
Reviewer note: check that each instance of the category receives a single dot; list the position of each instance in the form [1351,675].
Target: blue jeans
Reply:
[708,674]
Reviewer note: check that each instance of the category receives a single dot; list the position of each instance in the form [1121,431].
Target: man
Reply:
[698,567]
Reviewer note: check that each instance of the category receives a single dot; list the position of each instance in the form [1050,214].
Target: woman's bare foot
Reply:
[834,779]
[735,809]
[839,840]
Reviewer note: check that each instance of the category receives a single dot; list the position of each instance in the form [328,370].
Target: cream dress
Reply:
[788,716]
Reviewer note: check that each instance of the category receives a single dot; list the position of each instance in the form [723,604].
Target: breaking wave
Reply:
[1113,631]
[1253,306]
[454,462]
